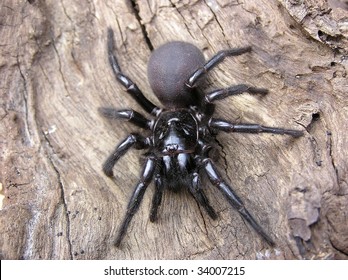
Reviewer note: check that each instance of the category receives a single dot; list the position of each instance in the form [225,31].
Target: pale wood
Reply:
[55,74]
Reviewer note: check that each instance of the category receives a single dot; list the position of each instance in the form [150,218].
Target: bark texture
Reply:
[57,203]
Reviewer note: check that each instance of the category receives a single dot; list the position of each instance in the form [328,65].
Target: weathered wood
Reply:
[57,203]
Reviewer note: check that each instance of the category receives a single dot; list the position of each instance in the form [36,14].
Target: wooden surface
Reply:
[54,74]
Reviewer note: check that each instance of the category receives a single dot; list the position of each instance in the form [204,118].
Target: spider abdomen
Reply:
[168,69]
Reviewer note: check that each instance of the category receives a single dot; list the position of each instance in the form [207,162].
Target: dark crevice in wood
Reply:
[142,26]
[63,194]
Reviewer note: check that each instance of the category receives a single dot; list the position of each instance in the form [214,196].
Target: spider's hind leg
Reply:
[130,86]
[211,63]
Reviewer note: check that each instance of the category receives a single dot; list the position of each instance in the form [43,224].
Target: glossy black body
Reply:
[175,132]
[175,136]
[181,135]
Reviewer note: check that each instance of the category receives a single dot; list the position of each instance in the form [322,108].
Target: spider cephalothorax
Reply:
[181,134]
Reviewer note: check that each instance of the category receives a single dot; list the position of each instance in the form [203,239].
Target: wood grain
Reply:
[57,203]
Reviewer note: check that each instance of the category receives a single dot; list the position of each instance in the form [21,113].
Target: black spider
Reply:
[182,134]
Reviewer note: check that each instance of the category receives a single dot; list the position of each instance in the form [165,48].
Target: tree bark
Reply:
[58,204]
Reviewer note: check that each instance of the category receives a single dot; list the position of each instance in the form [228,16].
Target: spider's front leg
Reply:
[126,114]
[216,179]
[137,196]
[136,140]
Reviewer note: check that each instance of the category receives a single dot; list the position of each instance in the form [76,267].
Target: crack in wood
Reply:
[63,194]
[136,12]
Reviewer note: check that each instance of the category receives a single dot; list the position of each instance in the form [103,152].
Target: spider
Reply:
[182,134]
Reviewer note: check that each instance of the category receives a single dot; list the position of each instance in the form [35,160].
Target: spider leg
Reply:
[129,115]
[137,196]
[215,60]
[131,87]
[157,198]
[196,190]
[234,90]
[251,128]
[216,179]
[132,140]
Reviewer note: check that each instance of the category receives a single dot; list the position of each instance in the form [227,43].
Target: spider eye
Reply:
[186,130]
[163,133]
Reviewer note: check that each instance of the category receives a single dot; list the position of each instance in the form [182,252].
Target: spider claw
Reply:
[108,170]
[295,133]
[153,218]
[118,240]
[213,214]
